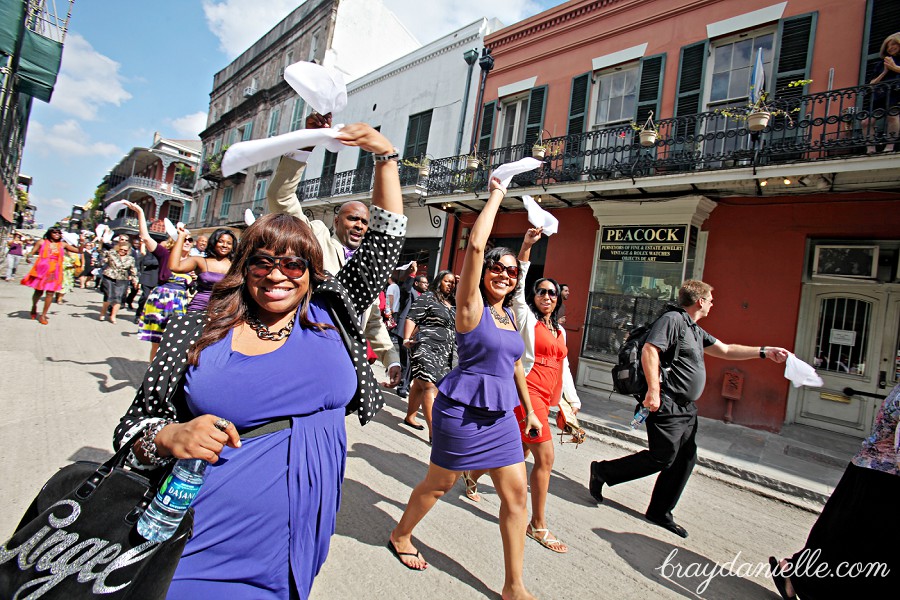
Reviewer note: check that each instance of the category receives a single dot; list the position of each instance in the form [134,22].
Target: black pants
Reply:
[672,452]
[145,293]
[403,386]
[130,295]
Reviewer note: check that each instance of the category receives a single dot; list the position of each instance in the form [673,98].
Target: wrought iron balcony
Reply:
[828,125]
[348,183]
[151,186]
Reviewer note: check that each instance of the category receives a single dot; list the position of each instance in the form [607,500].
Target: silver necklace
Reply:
[263,333]
[503,320]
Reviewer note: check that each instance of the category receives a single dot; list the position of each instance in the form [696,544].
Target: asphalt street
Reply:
[65,385]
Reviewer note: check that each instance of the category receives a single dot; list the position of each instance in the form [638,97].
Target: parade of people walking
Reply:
[119,274]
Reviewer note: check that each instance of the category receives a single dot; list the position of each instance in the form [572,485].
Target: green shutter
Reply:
[537,102]
[690,78]
[578,104]
[794,58]
[417,135]
[297,114]
[882,19]
[329,164]
[650,90]
[248,130]
[487,128]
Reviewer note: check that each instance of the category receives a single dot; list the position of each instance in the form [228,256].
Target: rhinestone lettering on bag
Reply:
[63,555]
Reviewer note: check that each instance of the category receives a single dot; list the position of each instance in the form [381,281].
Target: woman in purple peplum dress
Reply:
[211,268]
[473,420]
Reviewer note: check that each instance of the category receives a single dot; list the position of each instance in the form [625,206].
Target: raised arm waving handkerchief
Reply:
[799,373]
[172,230]
[507,171]
[244,154]
[539,217]
[249,217]
[323,88]
[113,209]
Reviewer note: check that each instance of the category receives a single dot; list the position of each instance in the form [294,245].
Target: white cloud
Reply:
[66,139]
[239,23]
[87,81]
[190,126]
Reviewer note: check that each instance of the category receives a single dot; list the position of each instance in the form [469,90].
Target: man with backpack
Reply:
[675,375]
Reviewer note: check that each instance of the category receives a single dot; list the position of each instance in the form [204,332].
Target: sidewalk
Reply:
[800,465]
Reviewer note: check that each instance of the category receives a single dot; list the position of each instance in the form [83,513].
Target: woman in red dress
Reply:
[47,273]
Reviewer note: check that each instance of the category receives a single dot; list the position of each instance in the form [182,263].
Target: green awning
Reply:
[38,65]
[12,15]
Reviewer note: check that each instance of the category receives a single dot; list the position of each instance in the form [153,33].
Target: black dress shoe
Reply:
[670,525]
[596,482]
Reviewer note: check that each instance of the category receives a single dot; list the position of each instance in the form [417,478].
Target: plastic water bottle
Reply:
[162,517]
[639,417]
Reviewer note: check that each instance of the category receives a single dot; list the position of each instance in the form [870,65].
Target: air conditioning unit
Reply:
[249,91]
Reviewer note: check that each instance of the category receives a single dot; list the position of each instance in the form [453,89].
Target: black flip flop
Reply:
[779,579]
[413,425]
[398,554]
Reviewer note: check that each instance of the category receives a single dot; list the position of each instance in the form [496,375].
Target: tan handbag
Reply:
[568,424]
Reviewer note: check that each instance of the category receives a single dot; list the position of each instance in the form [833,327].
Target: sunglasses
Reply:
[512,271]
[191,240]
[292,267]
[545,292]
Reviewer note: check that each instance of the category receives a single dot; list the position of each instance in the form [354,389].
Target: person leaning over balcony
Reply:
[279,359]
[211,267]
[886,99]
[350,226]
[170,296]
[861,509]
[46,276]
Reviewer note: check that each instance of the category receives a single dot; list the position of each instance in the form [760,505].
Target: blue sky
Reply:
[129,72]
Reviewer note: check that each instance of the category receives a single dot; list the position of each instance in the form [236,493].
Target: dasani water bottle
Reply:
[178,490]
[639,417]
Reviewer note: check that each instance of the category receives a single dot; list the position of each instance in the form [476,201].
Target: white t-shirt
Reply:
[393,291]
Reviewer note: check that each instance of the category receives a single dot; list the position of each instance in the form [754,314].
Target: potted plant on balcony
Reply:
[757,114]
[213,165]
[422,164]
[472,162]
[648,132]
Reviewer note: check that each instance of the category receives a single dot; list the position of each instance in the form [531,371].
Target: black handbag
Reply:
[78,538]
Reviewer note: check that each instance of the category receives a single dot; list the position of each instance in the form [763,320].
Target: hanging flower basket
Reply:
[472,163]
[757,121]
[424,171]
[538,152]
[648,137]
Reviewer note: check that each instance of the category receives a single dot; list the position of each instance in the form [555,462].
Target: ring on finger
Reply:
[221,424]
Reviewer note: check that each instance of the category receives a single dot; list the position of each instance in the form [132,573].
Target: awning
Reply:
[38,65]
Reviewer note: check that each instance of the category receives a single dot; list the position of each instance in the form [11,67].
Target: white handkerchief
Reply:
[249,219]
[113,209]
[70,238]
[245,154]
[799,373]
[107,235]
[506,172]
[404,267]
[539,217]
[100,229]
[323,88]
[170,229]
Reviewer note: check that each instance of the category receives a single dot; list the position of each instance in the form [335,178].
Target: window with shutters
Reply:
[259,195]
[227,193]
[204,209]
[329,165]
[274,118]
[513,117]
[417,135]
[616,97]
[297,114]
[884,20]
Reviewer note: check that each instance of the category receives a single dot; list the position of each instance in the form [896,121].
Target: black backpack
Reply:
[628,376]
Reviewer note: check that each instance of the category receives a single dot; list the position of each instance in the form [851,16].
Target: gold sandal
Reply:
[471,487]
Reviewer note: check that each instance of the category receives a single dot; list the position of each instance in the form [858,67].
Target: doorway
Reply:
[851,334]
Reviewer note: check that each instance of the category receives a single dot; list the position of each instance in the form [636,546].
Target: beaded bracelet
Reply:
[148,444]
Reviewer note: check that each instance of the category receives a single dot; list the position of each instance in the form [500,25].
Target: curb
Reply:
[758,483]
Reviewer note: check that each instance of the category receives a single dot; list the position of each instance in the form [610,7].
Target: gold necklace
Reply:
[503,320]
[263,333]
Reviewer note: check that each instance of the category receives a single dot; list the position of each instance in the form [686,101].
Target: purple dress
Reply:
[473,420]
[205,284]
[267,510]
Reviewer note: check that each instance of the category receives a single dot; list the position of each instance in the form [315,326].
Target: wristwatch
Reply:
[762,351]
[392,155]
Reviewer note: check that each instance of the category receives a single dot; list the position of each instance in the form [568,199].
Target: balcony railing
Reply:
[357,181]
[147,184]
[827,125]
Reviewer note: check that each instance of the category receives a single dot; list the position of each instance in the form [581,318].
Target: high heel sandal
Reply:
[471,487]
[43,320]
[33,314]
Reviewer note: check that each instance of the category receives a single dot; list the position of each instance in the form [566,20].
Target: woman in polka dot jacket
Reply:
[281,349]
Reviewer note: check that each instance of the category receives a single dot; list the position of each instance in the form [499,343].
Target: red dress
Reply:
[46,274]
[544,379]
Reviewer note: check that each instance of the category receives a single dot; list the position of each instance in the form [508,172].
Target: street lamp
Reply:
[470,56]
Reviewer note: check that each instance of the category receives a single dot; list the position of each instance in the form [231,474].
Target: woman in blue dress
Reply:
[259,386]
[473,420]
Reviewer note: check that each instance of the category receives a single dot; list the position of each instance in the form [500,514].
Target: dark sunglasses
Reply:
[497,268]
[546,292]
[191,240]
[292,267]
